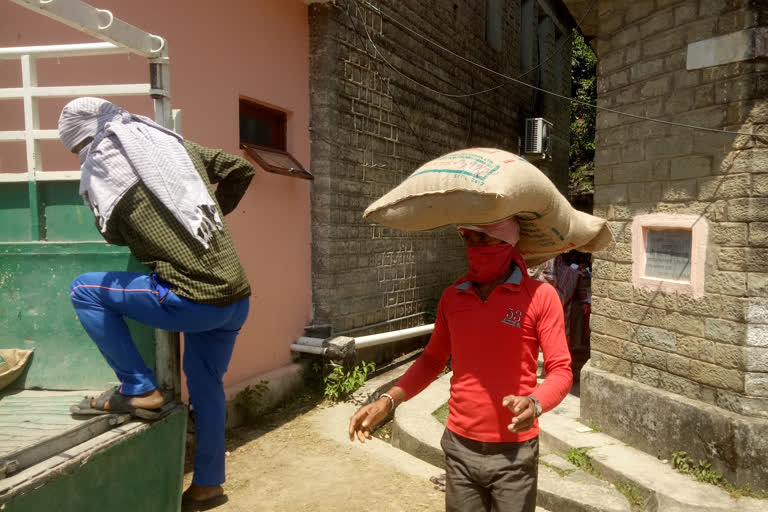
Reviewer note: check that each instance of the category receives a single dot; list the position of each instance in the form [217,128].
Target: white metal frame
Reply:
[119,37]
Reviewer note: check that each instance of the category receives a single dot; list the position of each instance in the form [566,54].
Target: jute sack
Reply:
[12,363]
[483,185]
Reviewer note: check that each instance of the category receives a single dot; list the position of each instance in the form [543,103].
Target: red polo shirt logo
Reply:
[513,317]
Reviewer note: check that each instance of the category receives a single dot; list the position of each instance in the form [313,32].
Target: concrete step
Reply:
[663,489]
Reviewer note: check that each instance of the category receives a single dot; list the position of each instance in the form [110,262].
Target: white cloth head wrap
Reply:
[507,230]
[128,148]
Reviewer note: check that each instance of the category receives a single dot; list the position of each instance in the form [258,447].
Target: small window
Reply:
[668,253]
[262,125]
[263,134]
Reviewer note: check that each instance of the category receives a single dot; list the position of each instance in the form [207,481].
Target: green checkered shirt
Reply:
[157,239]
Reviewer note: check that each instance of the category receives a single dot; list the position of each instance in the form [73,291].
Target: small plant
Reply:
[339,383]
[632,494]
[579,458]
[702,471]
[250,402]
[595,427]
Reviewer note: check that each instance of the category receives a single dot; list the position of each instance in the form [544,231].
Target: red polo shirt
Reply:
[494,347]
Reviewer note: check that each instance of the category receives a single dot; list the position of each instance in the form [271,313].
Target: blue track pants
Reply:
[102,299]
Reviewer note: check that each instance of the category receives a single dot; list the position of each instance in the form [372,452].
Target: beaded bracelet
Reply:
[391,401]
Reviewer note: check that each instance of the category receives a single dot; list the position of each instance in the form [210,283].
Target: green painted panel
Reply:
[141,473]
[35,312]
[65,215]
[15,220]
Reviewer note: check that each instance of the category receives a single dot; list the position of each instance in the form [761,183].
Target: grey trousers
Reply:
[499,477]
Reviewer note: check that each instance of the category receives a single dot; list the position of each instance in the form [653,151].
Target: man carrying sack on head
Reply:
[150,190]
[492,323]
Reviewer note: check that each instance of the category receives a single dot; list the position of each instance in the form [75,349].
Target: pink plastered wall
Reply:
[219,51]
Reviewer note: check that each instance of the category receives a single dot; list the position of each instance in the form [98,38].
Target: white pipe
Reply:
[306,340]
[62,50]
[309,349]
[388,337]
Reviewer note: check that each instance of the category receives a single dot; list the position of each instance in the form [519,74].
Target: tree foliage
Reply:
[583,88]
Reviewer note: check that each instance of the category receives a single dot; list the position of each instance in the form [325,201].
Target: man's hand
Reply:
[367,417]
[523,410]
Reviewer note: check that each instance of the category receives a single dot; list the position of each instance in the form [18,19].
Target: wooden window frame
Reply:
[276,117]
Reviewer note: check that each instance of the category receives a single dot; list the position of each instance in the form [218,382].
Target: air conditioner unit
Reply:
[538,137]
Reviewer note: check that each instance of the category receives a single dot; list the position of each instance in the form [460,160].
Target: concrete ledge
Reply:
[660,423]
[282,382]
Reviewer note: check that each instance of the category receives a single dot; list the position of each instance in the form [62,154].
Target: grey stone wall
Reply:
[713,349]
[371,127]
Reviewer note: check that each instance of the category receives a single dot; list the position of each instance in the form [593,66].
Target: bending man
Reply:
[150,191]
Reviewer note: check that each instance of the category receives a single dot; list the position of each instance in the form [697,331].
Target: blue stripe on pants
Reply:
[102,299]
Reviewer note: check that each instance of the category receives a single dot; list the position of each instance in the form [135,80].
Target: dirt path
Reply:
[303,462]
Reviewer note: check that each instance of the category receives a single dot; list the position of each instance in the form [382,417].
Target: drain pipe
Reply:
[392,336]
[319,346]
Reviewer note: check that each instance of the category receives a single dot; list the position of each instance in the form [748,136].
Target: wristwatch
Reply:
[536,406]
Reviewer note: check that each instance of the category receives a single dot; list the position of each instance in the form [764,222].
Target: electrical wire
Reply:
[525,84]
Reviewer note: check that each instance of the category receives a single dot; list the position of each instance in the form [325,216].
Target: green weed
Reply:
[340,383]
[633,496]
[579,458]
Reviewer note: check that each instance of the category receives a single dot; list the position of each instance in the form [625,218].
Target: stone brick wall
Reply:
[713,349]
[371,127]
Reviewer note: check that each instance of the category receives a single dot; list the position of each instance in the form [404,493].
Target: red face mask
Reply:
[488,262]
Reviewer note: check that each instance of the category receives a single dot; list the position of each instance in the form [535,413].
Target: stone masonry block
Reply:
[756,359]
[657,23]
[632,172]
[756,259]
[696,348]
[684,190]
[690,167]
[656,87]
[668,146]
[756,384]
[748,210]
[732,258]
[724,331]
[654,358]
[747,161]
[606,344]
[757,311]
[758,234]
[656,338]
[611,327]
[760,185]
[621,231]
[667,42]
[653,298]
[678,365]
[724,187]
[685,324]
[716,376]
[603,269]
[721,306]
[680,385]
[633,352]
[730,356]
[757,284]
[611,193]
[727,283]
[611,364]
[620,291]
[622,272]
[732,233]
[645,192]
[646,375]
